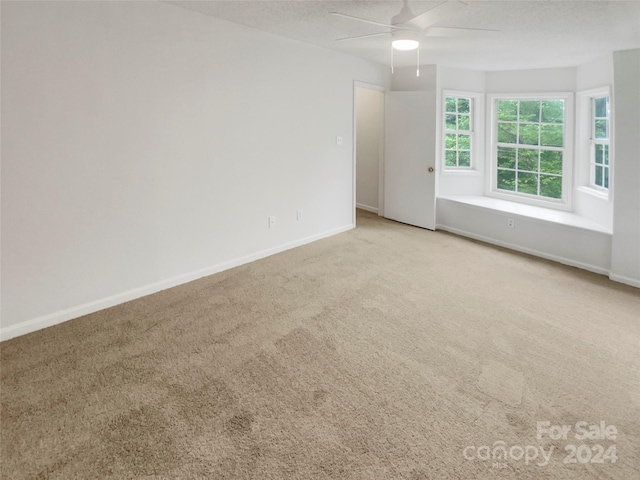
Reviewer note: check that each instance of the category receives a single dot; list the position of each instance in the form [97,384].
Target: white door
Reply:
[409,160]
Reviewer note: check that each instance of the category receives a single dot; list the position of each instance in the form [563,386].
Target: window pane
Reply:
[451,104]
[507,132]
[451,122]
[530,111]
[552,111]
[551,135]
[508,110]
[606,177]
[506,157]
[507,179]
[605,154]
[464,142]
[601,106]
[528,134]
[463,122]
[450,158]
[550,186]
[528,183]
[551,162]
[450,141]
[464,159]
[528,160]
[599,153]
[602,129]
[599,180]
[463,105]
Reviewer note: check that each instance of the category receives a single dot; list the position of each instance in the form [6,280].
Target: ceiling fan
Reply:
[406,29]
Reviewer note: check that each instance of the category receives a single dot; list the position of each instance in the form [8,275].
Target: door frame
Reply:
[370,86]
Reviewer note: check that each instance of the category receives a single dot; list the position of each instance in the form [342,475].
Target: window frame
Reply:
[476,133]
[563,203]
[605,142]
[585,142]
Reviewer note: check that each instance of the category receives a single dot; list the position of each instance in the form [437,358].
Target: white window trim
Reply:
[583,180]
[567,166]
[477,133]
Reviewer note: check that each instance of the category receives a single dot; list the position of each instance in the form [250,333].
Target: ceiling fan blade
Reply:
[362,36]
[364,20]
[459,32]
[436,14]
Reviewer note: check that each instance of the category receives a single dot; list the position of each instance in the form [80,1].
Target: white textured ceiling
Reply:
[533,34]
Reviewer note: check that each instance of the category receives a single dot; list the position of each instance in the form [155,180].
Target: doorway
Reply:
[369,148]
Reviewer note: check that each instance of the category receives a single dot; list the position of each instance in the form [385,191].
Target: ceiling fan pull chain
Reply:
[391,59]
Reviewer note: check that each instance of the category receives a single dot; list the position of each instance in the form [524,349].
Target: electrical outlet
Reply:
[272,221]
[299,215]
[338,140]
[511,223]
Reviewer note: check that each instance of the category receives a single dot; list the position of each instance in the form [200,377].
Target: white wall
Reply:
[405,79]
[523,81]
[369,146]
[583,248]
[141,151]
[459,79]
[625,255]
[595,74]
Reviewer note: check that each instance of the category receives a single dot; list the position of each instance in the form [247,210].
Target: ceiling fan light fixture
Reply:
[405,45]
[404,40]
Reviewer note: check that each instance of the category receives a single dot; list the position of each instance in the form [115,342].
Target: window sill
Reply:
[466,171]
[530,200]
[595,192]
[530,211]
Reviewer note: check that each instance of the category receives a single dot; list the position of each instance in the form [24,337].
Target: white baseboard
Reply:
[52,319]
[367,208]
[530,251]
[634,282]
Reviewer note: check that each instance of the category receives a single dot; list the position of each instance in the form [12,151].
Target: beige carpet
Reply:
[385,352]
